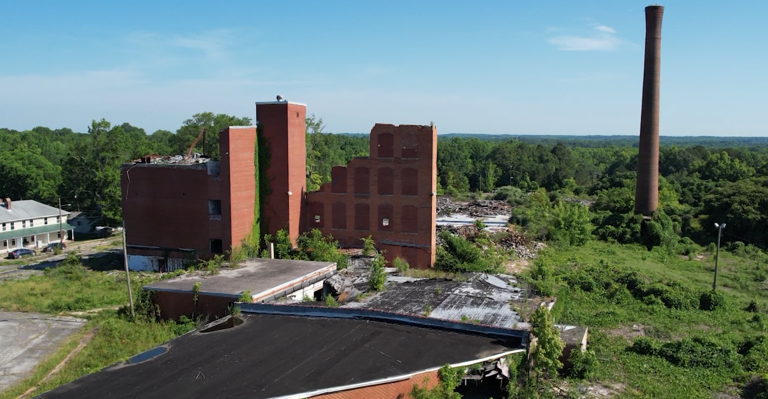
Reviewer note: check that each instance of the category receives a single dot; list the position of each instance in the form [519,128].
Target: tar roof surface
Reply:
[270,356]
[482,298]
[255,275]
[27,209]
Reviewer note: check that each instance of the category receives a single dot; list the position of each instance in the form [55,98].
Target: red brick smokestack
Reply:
[647,192]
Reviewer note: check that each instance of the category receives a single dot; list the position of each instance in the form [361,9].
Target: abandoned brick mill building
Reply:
[184,208]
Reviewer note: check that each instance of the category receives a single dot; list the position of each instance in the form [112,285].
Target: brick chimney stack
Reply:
[7,202]
[647,192]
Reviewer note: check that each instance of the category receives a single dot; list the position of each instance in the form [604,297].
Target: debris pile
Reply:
[475,209]
[524,247]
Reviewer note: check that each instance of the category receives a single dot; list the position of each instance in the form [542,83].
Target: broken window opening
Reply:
[214,207]
[216,246]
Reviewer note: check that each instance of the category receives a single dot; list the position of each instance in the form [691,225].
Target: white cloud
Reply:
[599,38]
[604,28]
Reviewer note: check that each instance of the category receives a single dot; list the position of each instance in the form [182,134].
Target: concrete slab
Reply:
[26,339]
[263,277]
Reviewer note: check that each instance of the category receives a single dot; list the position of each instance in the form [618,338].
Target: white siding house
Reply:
[30,224]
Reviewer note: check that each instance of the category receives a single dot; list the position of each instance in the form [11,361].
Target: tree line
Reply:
[700,182]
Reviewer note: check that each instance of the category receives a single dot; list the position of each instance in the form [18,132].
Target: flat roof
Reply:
[263,277]
[275,356]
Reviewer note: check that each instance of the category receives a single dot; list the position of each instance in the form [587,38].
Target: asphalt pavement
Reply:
[26,339]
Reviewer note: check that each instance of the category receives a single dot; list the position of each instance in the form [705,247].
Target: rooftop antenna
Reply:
[280,98]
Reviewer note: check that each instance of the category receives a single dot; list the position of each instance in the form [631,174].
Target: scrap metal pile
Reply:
[477,208]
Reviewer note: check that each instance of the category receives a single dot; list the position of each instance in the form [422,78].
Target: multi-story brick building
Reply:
[178,209]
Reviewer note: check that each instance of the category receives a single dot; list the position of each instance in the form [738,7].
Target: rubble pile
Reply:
[476,208]
[524,247]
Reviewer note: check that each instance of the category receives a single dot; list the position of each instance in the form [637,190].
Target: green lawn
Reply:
[624,292]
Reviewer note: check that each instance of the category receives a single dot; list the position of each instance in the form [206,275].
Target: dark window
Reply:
[12,225]
[409,220]
[386,181]
[339,179]
[3,226]
[410,145]
[217,247]
[45,220]
[362,180]
[23,224]
[31,223]
[409,180]
[386,145]
[58,219]
[214,207]
[13,242]
[362,217]
[385,217]
[339,216]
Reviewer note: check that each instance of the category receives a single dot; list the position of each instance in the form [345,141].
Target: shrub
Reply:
[401,265]
[689,352]
[644,346]
[369,247]
[246,297]
[583,364]
[752,307]
[378,276]
[512,195]
[712,300]
[331,302]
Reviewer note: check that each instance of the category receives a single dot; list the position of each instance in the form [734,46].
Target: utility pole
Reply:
[127,276]
[61,231]
[719,228]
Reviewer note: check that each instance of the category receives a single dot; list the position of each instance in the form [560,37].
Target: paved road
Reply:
[26,339]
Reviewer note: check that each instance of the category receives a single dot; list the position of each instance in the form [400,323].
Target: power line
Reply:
[749,242]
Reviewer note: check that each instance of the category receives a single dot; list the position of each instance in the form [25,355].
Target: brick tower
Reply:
[282,136]
[647,192]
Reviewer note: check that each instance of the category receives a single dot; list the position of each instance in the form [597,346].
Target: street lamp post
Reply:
[719,228]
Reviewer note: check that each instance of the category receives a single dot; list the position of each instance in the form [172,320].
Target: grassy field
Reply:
[71,287]
[648,323]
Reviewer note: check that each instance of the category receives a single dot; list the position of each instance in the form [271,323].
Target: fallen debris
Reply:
[476,209]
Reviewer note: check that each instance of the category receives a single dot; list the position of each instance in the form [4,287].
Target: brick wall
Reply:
[388,195]
[176,304]
[237,146]
[392,390]
[167,206]
[283,128]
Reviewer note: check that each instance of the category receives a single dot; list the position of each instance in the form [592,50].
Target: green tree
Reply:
[545,355]
[213,124]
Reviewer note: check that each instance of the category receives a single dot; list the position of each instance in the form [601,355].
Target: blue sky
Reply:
[555,67]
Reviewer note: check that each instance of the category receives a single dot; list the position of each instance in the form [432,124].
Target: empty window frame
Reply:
[214,207]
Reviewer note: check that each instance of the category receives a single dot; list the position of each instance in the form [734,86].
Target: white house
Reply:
[30,224]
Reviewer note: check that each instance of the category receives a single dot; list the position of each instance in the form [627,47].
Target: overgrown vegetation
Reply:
[378,276]
[116,337]
[656,327]
[310,246]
